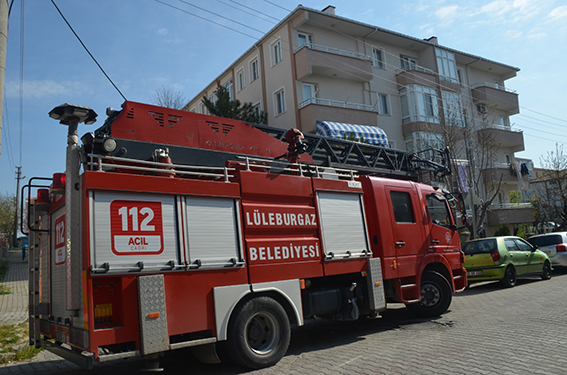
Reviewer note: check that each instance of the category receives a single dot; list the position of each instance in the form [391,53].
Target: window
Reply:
[279,102]
[309,93]
[254,70]
[240,80]
[213,98]
[276,48]
[460,75]
[438,210]
[378,58]
[419,141]
[446,65]
[419,103]
[507,159]
[452,108]
[229,88]
[304,40]
[401,204]
[502,121]
[257,109]
[383,104]
[202,109]
[408,63]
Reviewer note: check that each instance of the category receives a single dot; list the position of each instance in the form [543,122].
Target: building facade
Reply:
[317,66]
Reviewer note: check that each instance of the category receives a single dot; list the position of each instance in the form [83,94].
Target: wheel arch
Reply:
[439,264]
[287,293]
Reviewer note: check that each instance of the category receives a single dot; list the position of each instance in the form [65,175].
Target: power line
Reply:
[254,10]
[223,17]
[86,49]
[206,19]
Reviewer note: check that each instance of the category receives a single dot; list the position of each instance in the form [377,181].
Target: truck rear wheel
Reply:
[436,296]
[259,333]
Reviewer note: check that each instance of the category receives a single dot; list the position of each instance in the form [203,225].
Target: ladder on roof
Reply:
[369,159]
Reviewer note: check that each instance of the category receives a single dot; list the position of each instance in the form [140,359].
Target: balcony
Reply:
[504,171]
[503,136]
[332,62]
[495,96]
[416,75]
[318,109]
[510,213]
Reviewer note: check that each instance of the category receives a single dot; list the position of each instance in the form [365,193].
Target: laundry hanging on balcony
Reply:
[370,134]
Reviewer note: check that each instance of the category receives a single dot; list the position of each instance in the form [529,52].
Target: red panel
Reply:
[148,123]
[155,184]
[189,298]
[337,185]
[338,267]
[275,186]
[285,271]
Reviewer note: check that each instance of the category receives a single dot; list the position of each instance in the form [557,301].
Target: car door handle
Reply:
[435,242]
[400,243]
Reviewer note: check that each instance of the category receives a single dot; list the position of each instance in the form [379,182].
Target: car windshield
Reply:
[480,246]
[547,240]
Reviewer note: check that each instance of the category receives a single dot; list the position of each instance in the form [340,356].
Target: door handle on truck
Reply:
[400,243]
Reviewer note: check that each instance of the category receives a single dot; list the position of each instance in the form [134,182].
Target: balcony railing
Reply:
[510,206]
[416,68]
[493,85]
[337,103]
[336,51]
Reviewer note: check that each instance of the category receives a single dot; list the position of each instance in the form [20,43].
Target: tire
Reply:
[546,271]
[510,278]
[436,296]
[258,334]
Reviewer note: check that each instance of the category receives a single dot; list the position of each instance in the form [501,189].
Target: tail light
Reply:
[495,255]
[561,248]
[58,185]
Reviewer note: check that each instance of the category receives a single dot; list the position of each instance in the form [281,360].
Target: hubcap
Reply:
[430,295]
[262,333]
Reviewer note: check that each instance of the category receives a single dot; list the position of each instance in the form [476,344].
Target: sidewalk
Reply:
[14,306]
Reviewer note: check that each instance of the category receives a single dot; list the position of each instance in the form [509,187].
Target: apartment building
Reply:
[315,66]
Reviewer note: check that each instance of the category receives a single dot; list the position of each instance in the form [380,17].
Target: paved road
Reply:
[489,330]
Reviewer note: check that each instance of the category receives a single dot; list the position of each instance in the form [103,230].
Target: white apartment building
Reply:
[317,66]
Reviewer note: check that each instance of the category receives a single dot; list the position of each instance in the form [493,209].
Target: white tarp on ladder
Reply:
[371,134]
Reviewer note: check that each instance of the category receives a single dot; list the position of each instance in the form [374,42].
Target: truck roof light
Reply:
[42,200]
[58,185]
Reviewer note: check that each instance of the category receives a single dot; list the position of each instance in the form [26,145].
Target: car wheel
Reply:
[259,334]
[510,278]
[436,295]
[546,271]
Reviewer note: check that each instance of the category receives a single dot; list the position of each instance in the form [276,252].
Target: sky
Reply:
[144,45]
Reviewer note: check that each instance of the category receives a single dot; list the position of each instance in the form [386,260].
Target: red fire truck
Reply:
[171,229]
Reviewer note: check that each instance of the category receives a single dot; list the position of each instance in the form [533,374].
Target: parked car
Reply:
[504,259]
[554,245]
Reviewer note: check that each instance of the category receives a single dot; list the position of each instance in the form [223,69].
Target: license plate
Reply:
[474,273]
[60,336]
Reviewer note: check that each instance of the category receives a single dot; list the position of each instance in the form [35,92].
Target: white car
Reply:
[554,245]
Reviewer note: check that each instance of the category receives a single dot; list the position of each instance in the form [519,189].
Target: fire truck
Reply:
[171,229]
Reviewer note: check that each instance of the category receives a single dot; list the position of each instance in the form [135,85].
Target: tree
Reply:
[7,213]
[472,151]
[224,106]
[549,193]
[168,97]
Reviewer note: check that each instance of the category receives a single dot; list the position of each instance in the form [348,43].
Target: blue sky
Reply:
[144,44]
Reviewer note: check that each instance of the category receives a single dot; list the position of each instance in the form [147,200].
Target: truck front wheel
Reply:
[259,333]
[436,296]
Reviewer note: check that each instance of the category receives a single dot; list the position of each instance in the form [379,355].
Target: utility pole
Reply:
[18,178]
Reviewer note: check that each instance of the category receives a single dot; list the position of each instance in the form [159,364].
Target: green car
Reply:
[504,259]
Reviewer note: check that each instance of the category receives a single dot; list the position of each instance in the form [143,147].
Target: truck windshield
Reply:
[438,210]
